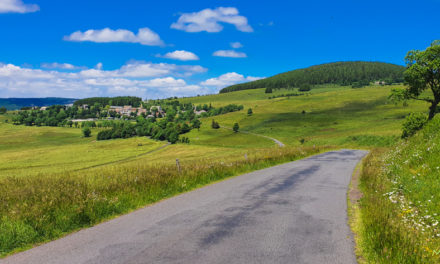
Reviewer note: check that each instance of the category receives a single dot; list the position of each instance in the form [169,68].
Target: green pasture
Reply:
[328,115]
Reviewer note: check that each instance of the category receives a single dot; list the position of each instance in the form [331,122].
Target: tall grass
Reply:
[43,207]
[400,210]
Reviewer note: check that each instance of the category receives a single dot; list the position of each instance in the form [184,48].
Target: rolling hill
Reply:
[357,73]
[17,103]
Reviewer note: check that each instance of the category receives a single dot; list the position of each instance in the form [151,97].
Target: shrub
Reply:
[268,90]
[86,132]
[104,134]
[236,127]
[413,123]
[215,125]
[250,112]
[305,87]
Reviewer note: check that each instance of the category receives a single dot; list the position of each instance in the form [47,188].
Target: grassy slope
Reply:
[400,213]
[332,117]
[33,150]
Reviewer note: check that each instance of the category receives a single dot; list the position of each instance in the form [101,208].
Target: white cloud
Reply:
[209,20]
[228,79]
[17,6]
[229,54]
[62,66]
[145,36]
[98,66]
[139,69]
[182,55]
[135,78]
[236,45]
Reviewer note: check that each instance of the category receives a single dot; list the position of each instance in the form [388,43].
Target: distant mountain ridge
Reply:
[17,103]
[341,73]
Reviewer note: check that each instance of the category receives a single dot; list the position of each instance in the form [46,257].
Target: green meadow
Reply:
[333,115]
[54,181]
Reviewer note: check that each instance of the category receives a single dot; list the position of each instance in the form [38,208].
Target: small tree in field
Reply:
[86,132]
[215,125]
[3,110]
[423,73]
[236,127]
[268,90]
[250,112]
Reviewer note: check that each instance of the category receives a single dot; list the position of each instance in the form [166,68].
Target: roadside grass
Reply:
[400,210]
[43,207]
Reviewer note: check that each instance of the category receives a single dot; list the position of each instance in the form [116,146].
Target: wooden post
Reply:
[178,165]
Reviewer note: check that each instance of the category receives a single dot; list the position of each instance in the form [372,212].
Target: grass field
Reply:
[34,150]
[400,212]
[116,176]
[334,115]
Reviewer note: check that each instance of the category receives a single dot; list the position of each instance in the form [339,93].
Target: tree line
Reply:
[115,101]
[355,73]
[160,130]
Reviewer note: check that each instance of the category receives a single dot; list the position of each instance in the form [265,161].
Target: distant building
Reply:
[44,108]
[199,112]
[159,110]
[126,110]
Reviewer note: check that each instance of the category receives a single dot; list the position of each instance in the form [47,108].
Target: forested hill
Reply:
[342,73]
[18,103]
[117,101]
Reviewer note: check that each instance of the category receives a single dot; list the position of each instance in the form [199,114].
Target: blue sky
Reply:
[156,49]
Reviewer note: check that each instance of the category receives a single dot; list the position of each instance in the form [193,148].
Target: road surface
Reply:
[291,213]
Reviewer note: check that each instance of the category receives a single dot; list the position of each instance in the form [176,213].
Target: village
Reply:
[124,111]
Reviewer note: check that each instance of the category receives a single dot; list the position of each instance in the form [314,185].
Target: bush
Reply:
[413,123]
[215,125]
[3,110]
[305,87]
[104,134]
[268,90]
[236,127]
[250,112]
[86,132]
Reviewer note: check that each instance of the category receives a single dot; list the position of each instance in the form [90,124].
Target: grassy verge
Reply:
[39,208]
[398,216]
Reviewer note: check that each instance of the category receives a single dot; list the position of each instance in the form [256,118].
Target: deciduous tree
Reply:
[423,73]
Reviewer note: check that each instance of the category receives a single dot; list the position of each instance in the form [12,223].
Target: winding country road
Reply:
[291,213]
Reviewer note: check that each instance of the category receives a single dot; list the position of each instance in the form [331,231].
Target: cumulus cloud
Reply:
[236,45]
[135,78]
[139,69]
[145,36]
[62,66]
[228,79]
[209,20]
[229,54]
[17,6]
[182,55]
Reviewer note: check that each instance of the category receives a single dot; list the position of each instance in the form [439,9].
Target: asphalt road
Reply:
[291,213]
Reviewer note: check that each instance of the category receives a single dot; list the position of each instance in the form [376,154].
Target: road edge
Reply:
[354,195]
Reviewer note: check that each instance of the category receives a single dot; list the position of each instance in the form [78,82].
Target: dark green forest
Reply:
[354,73]
[116,101]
